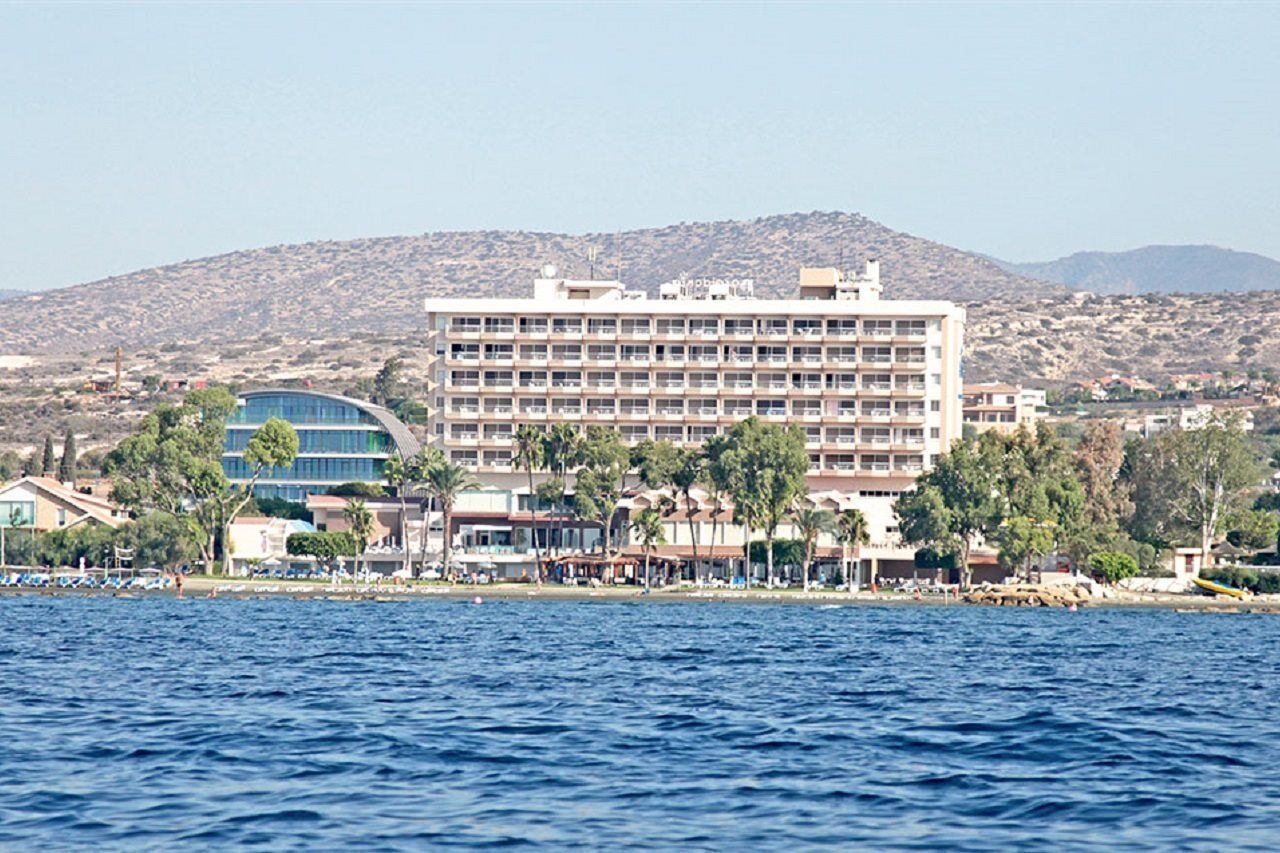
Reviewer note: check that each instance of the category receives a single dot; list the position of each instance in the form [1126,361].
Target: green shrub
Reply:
[1113,566]
[324,545]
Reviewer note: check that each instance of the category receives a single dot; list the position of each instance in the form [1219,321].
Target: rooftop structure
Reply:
[340,440]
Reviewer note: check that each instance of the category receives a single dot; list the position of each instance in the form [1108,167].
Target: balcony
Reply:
[877,387]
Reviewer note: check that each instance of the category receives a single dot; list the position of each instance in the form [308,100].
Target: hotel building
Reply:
[875,384]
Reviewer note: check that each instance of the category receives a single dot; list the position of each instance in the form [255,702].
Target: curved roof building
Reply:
[340,440]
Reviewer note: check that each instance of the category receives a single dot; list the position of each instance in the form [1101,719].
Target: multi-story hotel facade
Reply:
[875,384]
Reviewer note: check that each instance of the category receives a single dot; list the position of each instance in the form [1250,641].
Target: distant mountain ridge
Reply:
[1157,269]
[377,284]
[12,294]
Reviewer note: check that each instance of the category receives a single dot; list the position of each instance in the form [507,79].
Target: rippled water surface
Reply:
[129,724]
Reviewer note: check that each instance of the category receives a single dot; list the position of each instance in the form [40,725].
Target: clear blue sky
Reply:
[137,135]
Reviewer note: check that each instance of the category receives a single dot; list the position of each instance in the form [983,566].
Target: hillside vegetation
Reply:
[377,285]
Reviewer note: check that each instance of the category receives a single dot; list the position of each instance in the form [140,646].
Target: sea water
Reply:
[282,724]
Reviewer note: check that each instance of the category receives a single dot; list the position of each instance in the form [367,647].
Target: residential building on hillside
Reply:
[1002,407]
[340,440]
[1188,417]
[875,384]
[43,504]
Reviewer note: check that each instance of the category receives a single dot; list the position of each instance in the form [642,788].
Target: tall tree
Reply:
[810,523]
[49,463]
[687,473]
[420,467]
[272,445]
[531,456]
[717,479]
[1210,468]
[398,473]
[446,482]
[562,450]
[771,464]
[67,467]
[598,485]
[647,529]
[853,532]
[954,505]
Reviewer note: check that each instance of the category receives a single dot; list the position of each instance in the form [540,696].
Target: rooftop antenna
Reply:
[591,262]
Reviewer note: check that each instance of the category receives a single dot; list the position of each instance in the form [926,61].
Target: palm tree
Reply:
[446,482]
[360,521]
[717,480]
[811,522]
[530,455]
[852,531]
[561,448]
[647,528]
[420,466]
[399,475]
[687,473]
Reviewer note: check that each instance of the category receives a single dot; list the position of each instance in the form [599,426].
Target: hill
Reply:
[11,294]
[377,284]
[1157,269]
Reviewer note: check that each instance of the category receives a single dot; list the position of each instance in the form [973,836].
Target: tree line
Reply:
[1106,504]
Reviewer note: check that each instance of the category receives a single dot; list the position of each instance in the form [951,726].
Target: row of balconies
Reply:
[808,327]
[674,408]
[805,388]
[502,359]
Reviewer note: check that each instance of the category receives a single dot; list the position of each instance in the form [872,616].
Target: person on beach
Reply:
[177,582]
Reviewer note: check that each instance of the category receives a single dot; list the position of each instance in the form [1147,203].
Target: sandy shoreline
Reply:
[203,588]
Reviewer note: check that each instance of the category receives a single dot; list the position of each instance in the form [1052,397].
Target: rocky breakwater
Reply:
[1029,595]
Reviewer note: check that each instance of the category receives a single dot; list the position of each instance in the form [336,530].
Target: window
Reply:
[533,379]
[671,326]
[566,379]
[670,407]
[703,406]
[602,326]
[803,408]
[635,407]
[464,352]
[498,351]
[17,513]
[807,326]
[668,433]
[533,325]
[634,352]
[635,326]
[464,405]
[701,433]
[772,326]
[704,326]
[877,327]
[498,405]
[566,352]
[739,326]
[499,325]
[567,325]
[910,327]
[533,352]
[775,408]
[635,432]
[601,405]
[464,324]
[465,378]
[601,379]
[497,378]
[602,352]
[497,432]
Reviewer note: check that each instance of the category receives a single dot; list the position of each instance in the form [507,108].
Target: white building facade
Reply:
[874,383]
